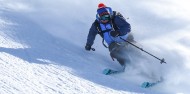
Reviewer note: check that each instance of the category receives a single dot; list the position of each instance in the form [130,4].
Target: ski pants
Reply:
[119,50]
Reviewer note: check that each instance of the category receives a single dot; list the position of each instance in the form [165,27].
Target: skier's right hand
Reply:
[88,47]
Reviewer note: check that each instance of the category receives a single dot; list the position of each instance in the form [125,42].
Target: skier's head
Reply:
[103,13]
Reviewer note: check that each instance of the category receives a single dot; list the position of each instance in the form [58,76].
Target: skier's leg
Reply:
[121,58]
[117,51]
[122,63]
[130,37]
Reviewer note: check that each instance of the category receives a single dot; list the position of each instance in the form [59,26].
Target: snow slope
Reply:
[42,47]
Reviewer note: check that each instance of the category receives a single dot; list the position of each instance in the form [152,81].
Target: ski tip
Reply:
[145,84]
[106,71]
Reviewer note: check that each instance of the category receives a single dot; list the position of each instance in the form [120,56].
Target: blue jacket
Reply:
[123,27]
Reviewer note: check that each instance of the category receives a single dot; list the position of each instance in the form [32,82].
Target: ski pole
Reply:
[161,60]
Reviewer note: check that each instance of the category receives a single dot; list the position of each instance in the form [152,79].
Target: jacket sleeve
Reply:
[123,26]
[91,35]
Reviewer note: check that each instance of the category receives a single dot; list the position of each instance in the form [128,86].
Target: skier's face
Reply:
[104,21]
[105,18]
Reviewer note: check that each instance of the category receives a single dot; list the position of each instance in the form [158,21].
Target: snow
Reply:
[42,48]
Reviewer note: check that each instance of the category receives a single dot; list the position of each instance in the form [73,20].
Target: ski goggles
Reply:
[105,17]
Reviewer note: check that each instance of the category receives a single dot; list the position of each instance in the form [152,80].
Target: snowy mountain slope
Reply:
[39,52]
[33,61]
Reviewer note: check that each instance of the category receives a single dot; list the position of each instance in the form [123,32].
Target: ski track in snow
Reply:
[39,55]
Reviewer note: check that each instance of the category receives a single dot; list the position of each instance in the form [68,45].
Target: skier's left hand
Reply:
[114,33]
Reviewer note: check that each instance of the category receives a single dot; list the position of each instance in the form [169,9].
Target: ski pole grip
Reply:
[92,49]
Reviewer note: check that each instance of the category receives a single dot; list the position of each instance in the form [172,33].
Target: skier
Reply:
[111,26]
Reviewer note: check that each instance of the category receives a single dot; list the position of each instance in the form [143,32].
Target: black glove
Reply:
[88,47]
[114,33]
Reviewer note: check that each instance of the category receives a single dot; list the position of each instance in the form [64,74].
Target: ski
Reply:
[110,71]
[150,84]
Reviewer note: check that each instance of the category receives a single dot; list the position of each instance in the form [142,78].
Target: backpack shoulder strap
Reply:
[113,22]
[114,14]
[118,14]
[97,26]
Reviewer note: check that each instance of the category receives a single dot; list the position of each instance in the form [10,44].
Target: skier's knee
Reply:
[130,37]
